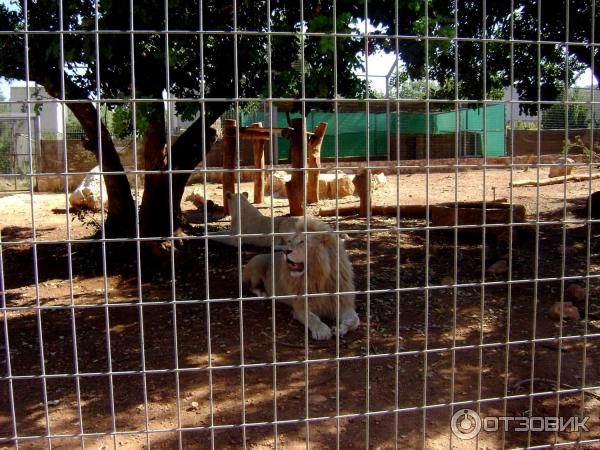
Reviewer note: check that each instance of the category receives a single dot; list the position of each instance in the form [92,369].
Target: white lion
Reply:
[246,219]
[320,261]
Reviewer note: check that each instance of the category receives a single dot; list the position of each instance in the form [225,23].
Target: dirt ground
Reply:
[157,372]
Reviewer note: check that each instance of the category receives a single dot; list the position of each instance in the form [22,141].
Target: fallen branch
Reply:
[414,211]
[555,180]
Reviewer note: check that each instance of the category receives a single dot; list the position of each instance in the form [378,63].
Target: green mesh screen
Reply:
[349,130]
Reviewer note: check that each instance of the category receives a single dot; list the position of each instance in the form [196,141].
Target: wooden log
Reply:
[258,150]
[362,187]
[295,187]
[557,180]
[473,214]
[229,148]
[413,211]
[314,161]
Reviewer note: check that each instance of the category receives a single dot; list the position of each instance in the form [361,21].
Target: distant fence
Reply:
[525,142]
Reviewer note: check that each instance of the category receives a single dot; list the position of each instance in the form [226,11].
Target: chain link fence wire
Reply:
[130,321]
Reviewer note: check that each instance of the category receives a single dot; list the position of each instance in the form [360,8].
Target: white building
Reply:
[50,111]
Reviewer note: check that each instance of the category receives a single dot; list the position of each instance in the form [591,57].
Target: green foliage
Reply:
[536,71]
[287,65]
[579,144]
[87,218]
[405,88]
[579,114]
[121,124]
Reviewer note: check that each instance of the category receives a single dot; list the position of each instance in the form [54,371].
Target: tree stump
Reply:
[258,149]
[362,187]
[295,187]
[229,148]
[314,161]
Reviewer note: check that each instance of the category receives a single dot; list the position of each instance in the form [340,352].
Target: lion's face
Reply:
[295,255]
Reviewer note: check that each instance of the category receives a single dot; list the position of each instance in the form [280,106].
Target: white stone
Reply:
[563,168]
[87,194]
[327,185]
[278,179]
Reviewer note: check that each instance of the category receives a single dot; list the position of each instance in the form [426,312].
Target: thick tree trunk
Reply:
[155,222]
[186,153]
[120,219]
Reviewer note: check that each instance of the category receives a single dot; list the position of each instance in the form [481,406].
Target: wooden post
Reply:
[362,187]
[295,187]
[314,161]
[229,148]
[258,149]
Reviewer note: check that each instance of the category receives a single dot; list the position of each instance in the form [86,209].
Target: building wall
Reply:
[51,114]
[550,141]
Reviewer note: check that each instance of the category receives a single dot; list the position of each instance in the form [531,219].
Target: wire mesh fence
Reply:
[251,246]
[16,156]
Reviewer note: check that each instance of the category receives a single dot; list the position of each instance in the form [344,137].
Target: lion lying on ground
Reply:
[320,260]
[247,219]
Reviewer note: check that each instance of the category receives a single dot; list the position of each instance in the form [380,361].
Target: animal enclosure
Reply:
[130,323]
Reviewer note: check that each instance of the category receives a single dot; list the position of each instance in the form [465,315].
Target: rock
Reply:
[323,188]
[343,181]
[327,185]
[575,293]
[87,194]
[378,180]
[570,312]
[278,179]
[563,168]
[498,268]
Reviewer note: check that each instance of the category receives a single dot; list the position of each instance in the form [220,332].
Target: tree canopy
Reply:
[204,56]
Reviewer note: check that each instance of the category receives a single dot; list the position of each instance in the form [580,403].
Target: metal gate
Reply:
[19,152]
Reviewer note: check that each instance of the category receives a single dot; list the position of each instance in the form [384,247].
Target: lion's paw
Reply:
[321,332]
[349,322]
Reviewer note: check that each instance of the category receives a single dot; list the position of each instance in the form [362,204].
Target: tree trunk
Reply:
[120,219]
[155,222]
[186,153]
